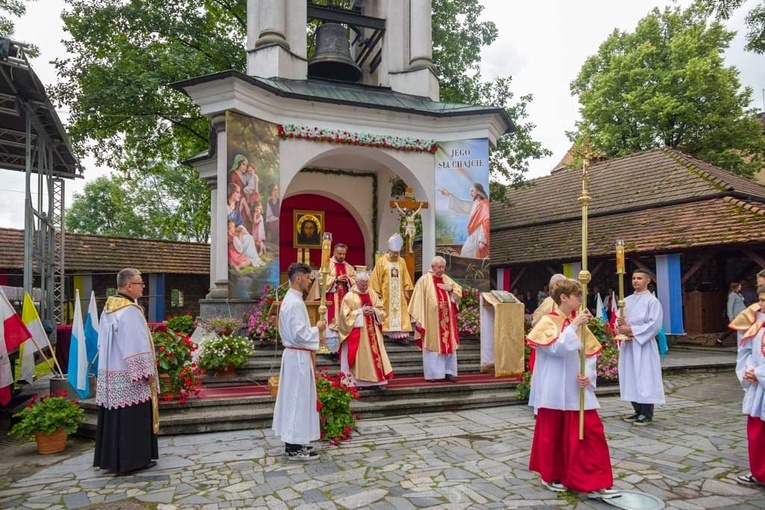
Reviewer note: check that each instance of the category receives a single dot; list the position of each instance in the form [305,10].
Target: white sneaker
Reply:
[554,486]
[303,455]
[603,494]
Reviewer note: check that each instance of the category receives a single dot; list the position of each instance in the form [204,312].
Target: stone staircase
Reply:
[248,403]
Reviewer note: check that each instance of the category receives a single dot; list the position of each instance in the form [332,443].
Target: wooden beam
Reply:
[703,260]
[641,265]
[756,258]
[515,282]
[597,267]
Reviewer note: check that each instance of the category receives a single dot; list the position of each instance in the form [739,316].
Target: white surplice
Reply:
[750,356]
[296,420]
[639,359]
[553,383]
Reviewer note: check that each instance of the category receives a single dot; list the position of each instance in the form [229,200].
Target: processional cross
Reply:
[410,208]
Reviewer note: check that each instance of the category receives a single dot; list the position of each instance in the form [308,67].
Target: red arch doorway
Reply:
[337,220]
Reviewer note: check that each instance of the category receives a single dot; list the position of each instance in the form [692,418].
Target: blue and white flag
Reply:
[91,334]
[77,372]
[600,309]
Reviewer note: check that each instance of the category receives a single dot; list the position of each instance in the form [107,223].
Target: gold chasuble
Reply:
[434,309]
[367,357]
[747,323]
[115,304]
[391,280]
[549,328]
[336,290]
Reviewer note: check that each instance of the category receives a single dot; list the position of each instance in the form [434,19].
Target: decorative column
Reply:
[218,253]
[270,34]
[272,18]
[421,34]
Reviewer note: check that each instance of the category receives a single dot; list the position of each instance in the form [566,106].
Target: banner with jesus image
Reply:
[462,210]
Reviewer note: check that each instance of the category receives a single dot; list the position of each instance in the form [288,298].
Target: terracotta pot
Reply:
[225,373]
[51,443]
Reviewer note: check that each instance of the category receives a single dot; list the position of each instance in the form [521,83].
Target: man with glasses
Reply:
[128,418]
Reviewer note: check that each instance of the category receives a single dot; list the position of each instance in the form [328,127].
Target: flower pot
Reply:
[59,383]
[51,443]
[226,373]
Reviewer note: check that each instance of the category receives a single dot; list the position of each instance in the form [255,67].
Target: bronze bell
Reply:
[332,56]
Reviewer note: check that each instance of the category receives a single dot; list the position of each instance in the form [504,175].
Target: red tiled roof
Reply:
[713,222]
[83,252]
[646,179]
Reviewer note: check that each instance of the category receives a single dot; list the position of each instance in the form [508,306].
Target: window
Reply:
[176,298]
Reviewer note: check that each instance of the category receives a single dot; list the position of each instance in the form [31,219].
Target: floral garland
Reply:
[316,134]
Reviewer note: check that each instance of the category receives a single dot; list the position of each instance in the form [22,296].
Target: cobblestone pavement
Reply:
[689,457]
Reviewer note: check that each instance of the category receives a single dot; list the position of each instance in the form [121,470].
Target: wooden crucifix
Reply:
[409,208]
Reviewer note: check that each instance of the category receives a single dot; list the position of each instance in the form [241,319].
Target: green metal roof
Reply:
[367,96]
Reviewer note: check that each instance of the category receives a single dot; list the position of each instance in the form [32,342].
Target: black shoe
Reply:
[451,378]
[631,418]
[643,420]
[748,480]
[302,455]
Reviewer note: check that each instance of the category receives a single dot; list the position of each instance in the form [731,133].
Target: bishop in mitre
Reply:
[362,351]
[392,283]
[341,277]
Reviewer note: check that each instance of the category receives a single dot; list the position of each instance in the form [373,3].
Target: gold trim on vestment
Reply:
[549,328]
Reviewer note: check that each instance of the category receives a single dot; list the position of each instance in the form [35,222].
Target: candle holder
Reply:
[326,249]
[620,271]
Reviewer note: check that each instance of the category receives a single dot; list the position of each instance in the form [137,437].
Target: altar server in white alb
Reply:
[750,369]
[296,419]
[640,380]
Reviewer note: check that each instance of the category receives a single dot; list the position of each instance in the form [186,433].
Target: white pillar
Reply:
[218,248]
[421,34]
[272,23]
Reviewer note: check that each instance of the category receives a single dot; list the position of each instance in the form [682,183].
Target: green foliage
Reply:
[14,8]
[666,85]
[221,325]
[469,314]
[173,351]
[46,416]
[224,351]
[260,324]
[754,20]
[523,390]
[123,55]
[608,359]
[183,324]
[335,417]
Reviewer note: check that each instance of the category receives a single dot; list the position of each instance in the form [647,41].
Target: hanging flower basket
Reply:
[51,443]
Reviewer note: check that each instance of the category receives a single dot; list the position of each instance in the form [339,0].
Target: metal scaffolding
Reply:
[33,140]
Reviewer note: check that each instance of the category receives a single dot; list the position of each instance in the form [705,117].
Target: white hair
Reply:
[437,258]
[556,278]
[362,276]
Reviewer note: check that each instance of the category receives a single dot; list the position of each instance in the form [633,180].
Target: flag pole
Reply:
[620,270]
[46,359]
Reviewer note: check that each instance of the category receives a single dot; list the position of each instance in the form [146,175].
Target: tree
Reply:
[15,8]
[666,85]
[754,20]
[151,206]
[124,54]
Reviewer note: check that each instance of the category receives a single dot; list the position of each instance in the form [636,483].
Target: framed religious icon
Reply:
[307,229]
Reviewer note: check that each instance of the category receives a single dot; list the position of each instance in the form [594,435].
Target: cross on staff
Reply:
[409,207]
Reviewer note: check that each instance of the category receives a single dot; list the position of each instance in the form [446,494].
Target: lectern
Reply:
[502,334]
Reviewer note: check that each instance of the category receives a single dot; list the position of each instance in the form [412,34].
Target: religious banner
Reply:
[462,210]
[252,205]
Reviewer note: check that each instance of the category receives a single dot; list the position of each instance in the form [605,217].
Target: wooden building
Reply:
[698,226]
[177,273]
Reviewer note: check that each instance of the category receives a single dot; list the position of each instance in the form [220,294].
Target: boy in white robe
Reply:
[750,370]
[640,380]
[296,419]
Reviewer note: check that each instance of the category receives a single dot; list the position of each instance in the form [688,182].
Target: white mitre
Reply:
[396,242]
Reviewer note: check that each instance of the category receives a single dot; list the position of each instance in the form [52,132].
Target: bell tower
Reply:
[382,43]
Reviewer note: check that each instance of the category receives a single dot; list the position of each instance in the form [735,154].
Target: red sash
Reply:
[354,340]
[447,319]
[341,291]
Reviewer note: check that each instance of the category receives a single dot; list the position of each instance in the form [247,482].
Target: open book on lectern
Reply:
[504,296]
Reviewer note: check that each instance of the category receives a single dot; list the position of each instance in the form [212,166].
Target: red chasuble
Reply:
[447,319]
[355,338]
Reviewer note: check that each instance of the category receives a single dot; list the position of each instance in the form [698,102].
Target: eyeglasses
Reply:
[137,283]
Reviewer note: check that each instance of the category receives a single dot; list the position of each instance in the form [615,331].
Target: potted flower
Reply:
[181,323]
[221,325]
[225,353]
[469,314]
[334,404]
[259,323]
[48,420]
[179,376]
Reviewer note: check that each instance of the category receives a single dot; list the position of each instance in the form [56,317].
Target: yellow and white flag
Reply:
[32,321]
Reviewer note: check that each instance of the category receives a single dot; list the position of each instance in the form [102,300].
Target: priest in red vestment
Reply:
[434,308]
[341,277]
[362,350]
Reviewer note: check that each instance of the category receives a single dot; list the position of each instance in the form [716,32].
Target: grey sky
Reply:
[541,44]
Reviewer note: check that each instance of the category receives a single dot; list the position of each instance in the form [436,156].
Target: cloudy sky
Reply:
[542,45]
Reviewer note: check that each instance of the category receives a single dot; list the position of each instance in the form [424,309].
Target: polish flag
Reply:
[613,313]
[13,333]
